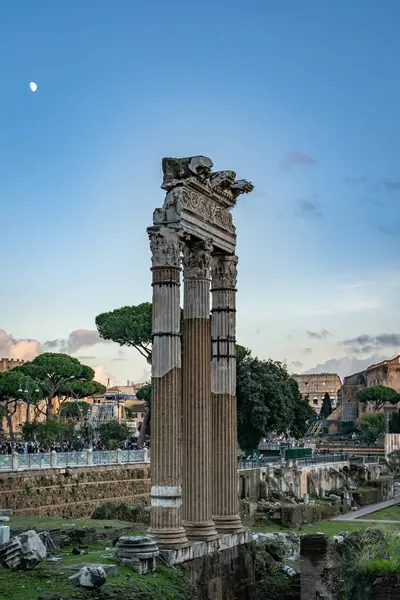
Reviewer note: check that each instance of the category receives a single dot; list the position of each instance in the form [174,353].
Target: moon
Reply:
[33,86]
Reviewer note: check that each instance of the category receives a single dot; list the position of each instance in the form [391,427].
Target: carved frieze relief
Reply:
[166,246]
[202,207]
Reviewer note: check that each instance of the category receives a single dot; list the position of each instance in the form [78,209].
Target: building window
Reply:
[315,401]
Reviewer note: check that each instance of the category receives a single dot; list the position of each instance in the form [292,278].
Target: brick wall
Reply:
[73,493]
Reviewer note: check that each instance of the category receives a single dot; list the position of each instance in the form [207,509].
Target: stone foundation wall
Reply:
[317,480]
[73,492]
[225,575]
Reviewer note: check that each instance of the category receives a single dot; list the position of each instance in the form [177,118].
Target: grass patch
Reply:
[39,523]
[330,528]
[391,513]
[165,584]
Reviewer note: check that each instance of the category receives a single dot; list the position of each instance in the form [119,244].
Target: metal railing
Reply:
[93,458]
[319,459]
[62,460]
[256,464]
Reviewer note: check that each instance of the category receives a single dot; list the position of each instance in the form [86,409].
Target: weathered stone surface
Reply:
[47,541]
[177,170]
[4,534]
[23,552]
[52,493]
[137,552]
[89,577]
[109,570]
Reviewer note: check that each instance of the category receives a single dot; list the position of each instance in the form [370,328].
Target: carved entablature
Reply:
[224,272]
[199,200]
[166,246]
[197,260]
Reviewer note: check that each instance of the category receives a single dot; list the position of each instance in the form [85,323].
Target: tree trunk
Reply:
[145,427]
[28,411]
[10,427]
[49,406]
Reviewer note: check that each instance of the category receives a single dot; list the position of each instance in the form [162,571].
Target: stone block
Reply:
[137,552]
[23,552]
[109,570]
[4,534]
[89,577]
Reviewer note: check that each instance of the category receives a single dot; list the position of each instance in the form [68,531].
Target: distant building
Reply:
[7,364]
[386,373]
[315,385]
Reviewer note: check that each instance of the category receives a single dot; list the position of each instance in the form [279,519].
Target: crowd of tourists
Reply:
[34,447]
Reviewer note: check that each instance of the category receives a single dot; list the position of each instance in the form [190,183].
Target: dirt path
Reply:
[367,510]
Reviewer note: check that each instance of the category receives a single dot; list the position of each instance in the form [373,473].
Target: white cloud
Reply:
[102,376]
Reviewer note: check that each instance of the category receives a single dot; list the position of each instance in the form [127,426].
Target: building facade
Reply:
[7,364]
[315,385]
[386,373]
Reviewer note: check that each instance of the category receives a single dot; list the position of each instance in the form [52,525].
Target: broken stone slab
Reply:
[6,512]
[334,498]
[4,519]
[137,552]
[89,577]
[109,570]
[288,571]
[47,541]
[23,552]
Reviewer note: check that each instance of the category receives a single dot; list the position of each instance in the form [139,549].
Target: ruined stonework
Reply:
[74,493]
[194,470]
[316,568]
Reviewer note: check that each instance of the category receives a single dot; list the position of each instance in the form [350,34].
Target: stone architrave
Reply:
[225,508]
[196,392]
[166,409]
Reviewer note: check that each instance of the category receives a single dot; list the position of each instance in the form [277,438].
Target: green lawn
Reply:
[166,583]
[328,527]
[392,513]
[39,523]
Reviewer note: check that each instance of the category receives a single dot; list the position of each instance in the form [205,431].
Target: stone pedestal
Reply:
[197,472]
[138,552]
[166,431]
[225,507]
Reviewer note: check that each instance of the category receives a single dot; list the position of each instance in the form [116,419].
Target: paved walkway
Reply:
[367,510]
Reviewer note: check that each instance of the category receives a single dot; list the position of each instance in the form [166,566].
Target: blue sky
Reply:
[301,98]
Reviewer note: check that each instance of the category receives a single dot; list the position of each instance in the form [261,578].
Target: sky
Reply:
[300,98]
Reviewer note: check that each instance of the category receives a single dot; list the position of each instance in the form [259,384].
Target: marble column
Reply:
[223,395]
[196,396]
[166,405]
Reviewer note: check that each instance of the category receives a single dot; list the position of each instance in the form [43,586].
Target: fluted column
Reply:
[166,406]
[223,395]
[196,397]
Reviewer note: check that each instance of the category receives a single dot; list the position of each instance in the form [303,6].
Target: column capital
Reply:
[197,260]
[224,272]
[166,246]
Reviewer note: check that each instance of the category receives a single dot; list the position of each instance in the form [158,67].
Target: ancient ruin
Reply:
[194,438]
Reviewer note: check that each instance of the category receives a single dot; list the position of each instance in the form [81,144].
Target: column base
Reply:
[228,524]
[200,532]
[173,539]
